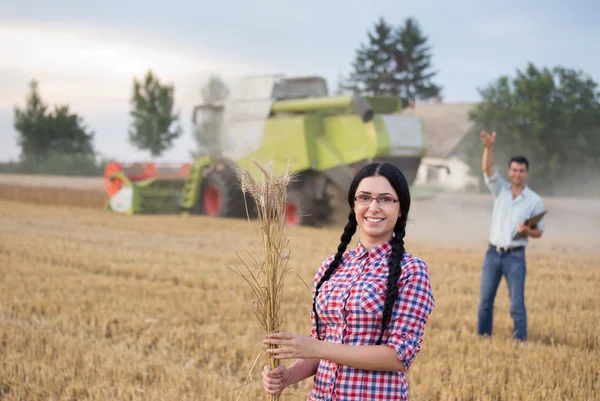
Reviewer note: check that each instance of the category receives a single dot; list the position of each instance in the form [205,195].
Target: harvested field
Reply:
[53,181]
[98,306]
[54,190]
[52,196]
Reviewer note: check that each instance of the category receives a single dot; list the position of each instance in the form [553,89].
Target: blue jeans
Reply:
[513,266]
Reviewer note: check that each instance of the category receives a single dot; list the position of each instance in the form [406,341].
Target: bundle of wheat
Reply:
[266,274]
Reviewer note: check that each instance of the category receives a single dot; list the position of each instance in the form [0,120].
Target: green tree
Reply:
[44,134]
[154,126]
[552,116]
[374,70]
[70,134]
[413,63]
[208,128]
[395,62]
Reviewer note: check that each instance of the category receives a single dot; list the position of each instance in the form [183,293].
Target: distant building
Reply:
[445,125]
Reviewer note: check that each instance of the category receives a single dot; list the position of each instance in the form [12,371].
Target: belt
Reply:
[506,249]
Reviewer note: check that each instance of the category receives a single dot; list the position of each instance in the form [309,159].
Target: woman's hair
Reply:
[400,185]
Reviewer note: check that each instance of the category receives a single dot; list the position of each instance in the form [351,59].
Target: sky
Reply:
[86,54]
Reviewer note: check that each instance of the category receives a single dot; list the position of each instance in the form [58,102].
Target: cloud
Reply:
[91,69]
[96,66]
[103,52]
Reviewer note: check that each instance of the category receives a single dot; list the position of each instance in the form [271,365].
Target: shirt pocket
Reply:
[372,299]
[329,302]
[523,213]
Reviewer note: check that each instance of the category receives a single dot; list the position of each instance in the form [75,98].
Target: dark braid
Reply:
[345,239]
[391,292]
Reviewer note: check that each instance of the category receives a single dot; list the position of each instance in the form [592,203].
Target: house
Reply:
[445,125]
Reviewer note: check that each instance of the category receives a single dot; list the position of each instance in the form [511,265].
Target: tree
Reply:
[69,132]
[396,62]
[552,116]
[154,126]
[374,68]
[208,131]
[414,63]
[44,134]
[32,124]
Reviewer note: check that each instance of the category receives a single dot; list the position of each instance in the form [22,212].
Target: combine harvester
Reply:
[288,121]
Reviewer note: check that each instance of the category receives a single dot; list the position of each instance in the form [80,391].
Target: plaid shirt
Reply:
[350,307]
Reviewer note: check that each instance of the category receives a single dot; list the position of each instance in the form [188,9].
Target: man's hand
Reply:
[523,229]
[487,139]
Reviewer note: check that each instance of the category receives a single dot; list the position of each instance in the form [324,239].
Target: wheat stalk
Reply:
[267,274]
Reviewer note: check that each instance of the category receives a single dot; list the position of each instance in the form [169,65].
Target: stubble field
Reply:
[97,306]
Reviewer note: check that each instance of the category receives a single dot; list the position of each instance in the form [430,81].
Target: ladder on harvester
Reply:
[191,188]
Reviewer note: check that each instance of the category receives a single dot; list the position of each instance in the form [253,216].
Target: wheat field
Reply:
[98,306]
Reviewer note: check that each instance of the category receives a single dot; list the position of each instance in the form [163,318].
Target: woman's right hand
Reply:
[275,380]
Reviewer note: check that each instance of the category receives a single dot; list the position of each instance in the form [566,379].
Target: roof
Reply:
[445,124]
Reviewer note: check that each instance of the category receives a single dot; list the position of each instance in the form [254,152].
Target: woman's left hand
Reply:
[293,345]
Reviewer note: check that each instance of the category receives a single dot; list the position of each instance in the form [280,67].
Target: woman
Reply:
[370,304]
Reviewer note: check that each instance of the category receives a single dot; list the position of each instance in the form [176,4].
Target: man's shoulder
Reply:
[496,178]
[533,195]
[501,186]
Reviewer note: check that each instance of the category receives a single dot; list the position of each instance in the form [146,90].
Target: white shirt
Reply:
[509,212]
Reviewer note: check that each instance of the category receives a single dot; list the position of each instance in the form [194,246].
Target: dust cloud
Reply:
[444,220]
[450,219]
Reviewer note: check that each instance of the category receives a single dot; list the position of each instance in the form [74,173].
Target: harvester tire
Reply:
[323,208]
[316,184]
[300,208]
[221,195]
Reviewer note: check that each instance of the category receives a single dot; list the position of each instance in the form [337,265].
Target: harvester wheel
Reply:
[300,208]
[323,208]
[221,196]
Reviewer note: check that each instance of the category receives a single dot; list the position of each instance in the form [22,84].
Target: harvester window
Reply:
[299,88]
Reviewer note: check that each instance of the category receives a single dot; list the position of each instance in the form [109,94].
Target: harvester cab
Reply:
[293,121]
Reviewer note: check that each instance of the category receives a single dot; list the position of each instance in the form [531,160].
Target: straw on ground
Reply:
[98,306]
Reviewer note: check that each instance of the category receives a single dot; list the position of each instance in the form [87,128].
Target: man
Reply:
[514,204]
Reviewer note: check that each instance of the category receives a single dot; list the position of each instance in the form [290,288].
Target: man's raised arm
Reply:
[487,163]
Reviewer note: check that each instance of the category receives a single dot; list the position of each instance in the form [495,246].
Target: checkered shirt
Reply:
[350,307]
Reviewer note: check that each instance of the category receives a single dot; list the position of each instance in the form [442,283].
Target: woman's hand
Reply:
[293,345]
[275,380]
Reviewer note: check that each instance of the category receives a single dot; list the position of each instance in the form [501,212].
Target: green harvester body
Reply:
[290,122]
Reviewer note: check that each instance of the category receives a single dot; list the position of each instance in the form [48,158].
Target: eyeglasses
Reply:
[366,200]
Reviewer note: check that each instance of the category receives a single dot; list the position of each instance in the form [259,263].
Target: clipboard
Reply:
[532,222]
